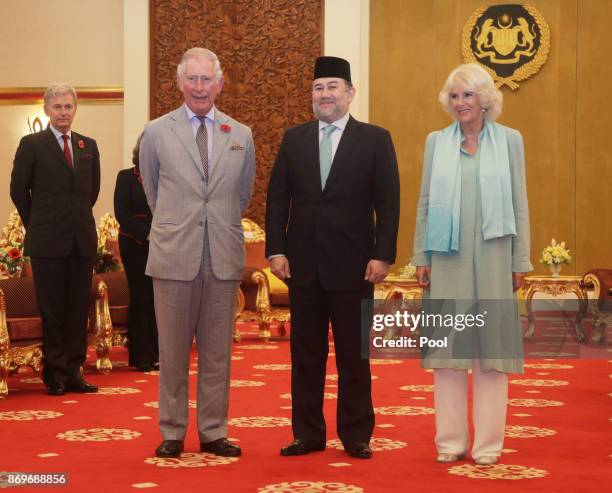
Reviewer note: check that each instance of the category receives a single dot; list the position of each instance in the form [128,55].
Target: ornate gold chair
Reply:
[117,296]
[600,308]
[21,328]
[266,299]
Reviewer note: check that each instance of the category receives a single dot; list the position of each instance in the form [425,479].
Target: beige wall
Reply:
[563,113]
[346,34]
[135,73]
[79,42]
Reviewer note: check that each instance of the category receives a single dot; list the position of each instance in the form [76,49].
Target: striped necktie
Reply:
[202,142]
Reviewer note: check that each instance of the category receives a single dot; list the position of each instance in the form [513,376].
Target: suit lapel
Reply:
[55,149]
[221,140]
[346,144]
[181,126]
[311,155]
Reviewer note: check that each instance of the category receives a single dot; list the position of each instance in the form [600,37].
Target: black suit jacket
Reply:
[131,208]
[54,201]
[332,234]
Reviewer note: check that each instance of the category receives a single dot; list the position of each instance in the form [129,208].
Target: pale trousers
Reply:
[206,308]
[490,396]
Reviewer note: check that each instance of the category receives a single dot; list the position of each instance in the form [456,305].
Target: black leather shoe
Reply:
[146,367]
[80,386]
[359,450]
[56,389]
[169,449]
[222,447]
[301,447]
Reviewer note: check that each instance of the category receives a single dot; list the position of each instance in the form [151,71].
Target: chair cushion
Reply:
[279,299]
[605,294]
[276,285]
[26,343]
[20,297]
[116,282]
[21,329]
[119,315]
[255,255]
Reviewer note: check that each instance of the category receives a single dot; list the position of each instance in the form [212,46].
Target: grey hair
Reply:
[199,53]
[59,90]
[475,78]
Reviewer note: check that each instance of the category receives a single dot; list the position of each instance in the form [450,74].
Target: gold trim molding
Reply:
[86,95]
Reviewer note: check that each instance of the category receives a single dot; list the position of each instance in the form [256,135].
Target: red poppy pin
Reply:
[81,144]
[225,128]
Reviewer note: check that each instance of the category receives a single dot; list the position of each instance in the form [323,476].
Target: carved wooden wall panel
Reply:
[267,50]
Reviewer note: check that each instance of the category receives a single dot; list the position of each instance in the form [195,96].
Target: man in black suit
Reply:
[331,229]
[54,185]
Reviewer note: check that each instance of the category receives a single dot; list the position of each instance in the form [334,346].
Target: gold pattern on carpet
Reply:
[498,471]
[98,435]
[403,410]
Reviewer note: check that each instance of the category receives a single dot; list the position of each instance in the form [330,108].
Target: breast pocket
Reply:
[165,218]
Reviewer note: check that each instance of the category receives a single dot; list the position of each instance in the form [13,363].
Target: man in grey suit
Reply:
[198,167]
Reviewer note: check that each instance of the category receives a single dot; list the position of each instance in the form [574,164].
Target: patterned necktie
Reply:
[67,150]
[325,153]
[202,142]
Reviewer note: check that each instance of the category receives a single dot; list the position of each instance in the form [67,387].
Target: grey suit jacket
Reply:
[182,203]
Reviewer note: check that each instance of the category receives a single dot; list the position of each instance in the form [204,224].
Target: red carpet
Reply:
[558,436]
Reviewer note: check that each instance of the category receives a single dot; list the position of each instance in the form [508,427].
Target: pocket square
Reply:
[236,147]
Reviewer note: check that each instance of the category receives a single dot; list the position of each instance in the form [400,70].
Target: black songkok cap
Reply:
[331,66]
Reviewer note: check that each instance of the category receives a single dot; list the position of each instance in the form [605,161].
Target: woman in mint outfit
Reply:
[471,246]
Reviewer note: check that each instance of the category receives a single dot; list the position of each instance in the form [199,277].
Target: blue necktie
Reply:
[325,153]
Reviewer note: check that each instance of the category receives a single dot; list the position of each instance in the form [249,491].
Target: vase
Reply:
[555,269]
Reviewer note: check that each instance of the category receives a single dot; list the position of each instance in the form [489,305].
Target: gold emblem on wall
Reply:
[510,41]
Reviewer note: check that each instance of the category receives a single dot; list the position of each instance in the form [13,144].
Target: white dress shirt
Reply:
[340,125]
[210,125]
[60,139]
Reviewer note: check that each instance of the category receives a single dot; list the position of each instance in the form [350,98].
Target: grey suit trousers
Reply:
[206,308]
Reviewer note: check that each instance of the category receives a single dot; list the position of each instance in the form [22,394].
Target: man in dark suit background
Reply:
[54,185]
[331,229]
[134,218]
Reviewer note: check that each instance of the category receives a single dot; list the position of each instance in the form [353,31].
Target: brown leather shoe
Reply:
[222,447]
[359,450]
[169,449]
[301,447]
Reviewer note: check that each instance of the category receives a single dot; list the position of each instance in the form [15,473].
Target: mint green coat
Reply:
[481,270]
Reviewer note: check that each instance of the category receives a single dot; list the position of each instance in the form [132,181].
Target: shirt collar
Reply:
[58,134]
[340,123]
[210,115]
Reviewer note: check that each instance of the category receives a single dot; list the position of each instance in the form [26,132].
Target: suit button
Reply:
[201,223]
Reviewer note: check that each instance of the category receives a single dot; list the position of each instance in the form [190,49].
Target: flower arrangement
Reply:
[555,254]
[11,247]
[108,231]
[105,261]
[407,270]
